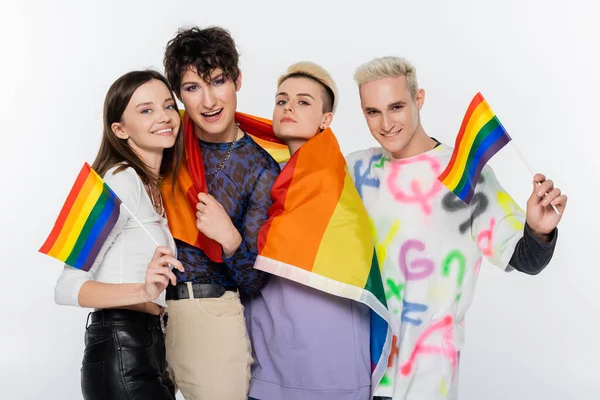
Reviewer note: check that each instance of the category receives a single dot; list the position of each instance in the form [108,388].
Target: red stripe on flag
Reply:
[286,175]
[474,103]
[194,159]
[64,212]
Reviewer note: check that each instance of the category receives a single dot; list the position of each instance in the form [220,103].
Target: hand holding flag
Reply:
[544,194]
[480,137]
[159,274]
[86,219]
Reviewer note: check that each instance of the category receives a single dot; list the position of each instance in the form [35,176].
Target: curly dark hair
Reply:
[202,49]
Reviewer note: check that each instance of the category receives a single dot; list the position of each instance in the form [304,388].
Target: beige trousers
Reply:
[208,349]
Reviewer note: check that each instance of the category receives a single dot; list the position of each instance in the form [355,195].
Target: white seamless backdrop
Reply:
[535,61]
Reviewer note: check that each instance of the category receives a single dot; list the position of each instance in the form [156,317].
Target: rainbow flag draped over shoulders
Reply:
[318,234]
[87,217]
[481,136]
[180,197]
[261,131]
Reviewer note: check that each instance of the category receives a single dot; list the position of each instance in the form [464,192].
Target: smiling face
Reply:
[211,104]
[392,114]
[298,114]
[150,122]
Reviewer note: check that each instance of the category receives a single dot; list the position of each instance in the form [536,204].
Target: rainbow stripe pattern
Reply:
[318,233]
[481,136]
[85,221]
[181,196]
[261,131]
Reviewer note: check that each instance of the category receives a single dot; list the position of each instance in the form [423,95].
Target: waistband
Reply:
[189,290]
[113,316]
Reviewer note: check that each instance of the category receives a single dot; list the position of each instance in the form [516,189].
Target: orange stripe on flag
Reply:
[474,103]
[73,215]
[306,207]
[64,212]
[182,219]
[279,191]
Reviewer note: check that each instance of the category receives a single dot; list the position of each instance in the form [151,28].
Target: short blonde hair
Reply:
[388,67]
[317,73]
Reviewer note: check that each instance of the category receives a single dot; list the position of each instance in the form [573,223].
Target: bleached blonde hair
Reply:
[317,73]
[388,67]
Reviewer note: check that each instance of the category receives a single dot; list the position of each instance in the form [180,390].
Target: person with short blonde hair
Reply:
[388,67]
[307,344]
[435,242]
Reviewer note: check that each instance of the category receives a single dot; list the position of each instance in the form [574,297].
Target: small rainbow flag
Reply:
[481,136]
[319,234]
[87,217]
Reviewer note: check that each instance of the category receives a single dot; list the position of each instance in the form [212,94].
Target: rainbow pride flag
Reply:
[260,129]
[481,136]
[180,196]
[318,234]
[87,217]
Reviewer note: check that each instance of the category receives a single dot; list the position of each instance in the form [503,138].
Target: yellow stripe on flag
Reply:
[81,216]
[86,188]
[480,117]
[340,256]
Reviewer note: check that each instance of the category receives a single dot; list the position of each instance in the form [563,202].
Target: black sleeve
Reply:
[532,255]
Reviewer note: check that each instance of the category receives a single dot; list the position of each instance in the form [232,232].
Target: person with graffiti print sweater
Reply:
[430,243]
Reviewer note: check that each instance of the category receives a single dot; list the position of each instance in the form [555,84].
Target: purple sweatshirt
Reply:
[307,345]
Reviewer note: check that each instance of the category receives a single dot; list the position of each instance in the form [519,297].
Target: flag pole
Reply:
[530,170]
[140,224]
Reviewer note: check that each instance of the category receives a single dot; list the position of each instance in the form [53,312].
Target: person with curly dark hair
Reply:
[215,207]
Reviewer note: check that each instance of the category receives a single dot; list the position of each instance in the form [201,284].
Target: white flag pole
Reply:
[530,170]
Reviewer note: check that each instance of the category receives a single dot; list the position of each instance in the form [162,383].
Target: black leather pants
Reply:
[124,357]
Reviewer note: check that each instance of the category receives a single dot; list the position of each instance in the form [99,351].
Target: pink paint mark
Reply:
[420,268]
[447,350]
[478,265]
[486,234]
[417,195]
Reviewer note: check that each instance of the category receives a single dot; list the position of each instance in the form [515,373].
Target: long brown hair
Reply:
[114,150]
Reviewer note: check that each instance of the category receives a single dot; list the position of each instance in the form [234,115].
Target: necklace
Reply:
[160,210]
[221,165]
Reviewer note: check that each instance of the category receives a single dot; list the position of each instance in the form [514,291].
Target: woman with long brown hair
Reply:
[124,354]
